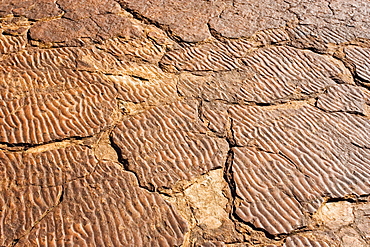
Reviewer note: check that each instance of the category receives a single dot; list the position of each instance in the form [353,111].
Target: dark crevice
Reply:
[360,81]
[337,79]
[329,200]
[200,112]
[148,21]
[164,67]
[351,198]
[254,228]
[126,166]
[231,135]
[281,154]
[262,104]
[29,39]
[19,147]
[178,91]
[141,17]
[228,176]
[359,146]
[216,34]
[139,77]
[124,162]
[355,113]
[275,102]
[60,7]
[312,48]
[61,197]
[15,242]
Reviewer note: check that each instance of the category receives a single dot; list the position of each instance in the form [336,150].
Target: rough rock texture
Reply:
[185,123]
[292,158]
[167,144]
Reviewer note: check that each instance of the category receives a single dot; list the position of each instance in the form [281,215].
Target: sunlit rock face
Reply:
[184,123]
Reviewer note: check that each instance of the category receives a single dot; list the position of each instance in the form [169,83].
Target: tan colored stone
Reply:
[335,215]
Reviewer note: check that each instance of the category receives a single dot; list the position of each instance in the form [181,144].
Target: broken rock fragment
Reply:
[88,202]
[358,57]
[184,123]
[292,159]
[179,16]
[168,143]
[268,75]
[346,98]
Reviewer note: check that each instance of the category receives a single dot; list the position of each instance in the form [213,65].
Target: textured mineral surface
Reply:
[197,123]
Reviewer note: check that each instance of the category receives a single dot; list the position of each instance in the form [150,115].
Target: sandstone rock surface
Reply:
[185,123]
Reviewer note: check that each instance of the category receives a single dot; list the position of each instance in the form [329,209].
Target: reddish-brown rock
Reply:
[81,201]
[184,123]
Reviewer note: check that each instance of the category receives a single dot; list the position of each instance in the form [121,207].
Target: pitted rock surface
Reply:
[185,123]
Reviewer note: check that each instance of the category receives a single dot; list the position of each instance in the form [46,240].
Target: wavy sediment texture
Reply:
[38,117]
[60,93]
[168,143]
[145,83]
[318,36]
[283,72]
[346,98]
[341,28]
[259,178]
[32,184]
[301,241]
[215,116]
[140,48]
[184,90]
[107,208]
[21,206]
[359,57]
[271,36]
[268,75]
[44,100]
[46,169]
[100,204]
[10,44]
[292,159]
[219,55]
[294,70]
[89,59]
[215,56]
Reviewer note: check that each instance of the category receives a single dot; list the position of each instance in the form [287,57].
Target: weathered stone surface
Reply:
[292,159]
[349,20]
[299,241]
[32,9]
[246,17]
[72,32]
[86,202]
[358,58]
[270,75]
[346,98]
[168,143]
[179,16]
[184,123]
